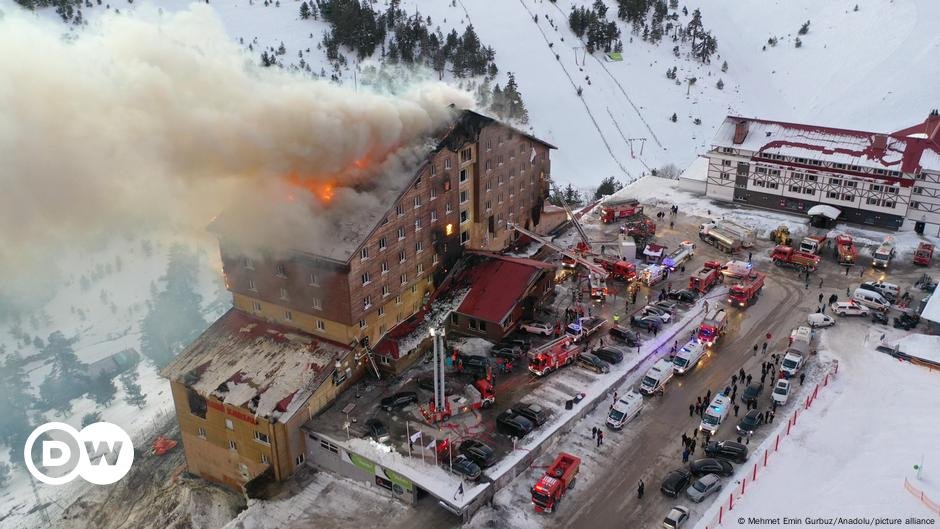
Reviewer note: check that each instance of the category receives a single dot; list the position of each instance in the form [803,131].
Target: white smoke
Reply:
[145,118]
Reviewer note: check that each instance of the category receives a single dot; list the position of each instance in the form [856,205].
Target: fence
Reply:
[761,461]
[933,506]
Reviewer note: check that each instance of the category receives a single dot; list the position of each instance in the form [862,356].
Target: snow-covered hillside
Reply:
[869,69]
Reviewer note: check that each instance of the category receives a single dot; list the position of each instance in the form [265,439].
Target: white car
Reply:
[537,327]
[653,310]
[818,319]
[676,517]
[781,391]
[849,308]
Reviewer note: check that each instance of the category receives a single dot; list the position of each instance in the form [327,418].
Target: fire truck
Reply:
[553,355]
[745,292]
[643,228]
[706,278]
[813,244]
[559,477]
[924,254]
[712,327]
[480,394]
[680,255]
[615,210]
[621,270]
[846,251]
[789,257]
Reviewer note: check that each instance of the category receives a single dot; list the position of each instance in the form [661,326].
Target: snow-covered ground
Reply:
[852,450]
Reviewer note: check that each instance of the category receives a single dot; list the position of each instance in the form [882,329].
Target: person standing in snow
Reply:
[600,437]
[639,490]
[594,432]
[802,377]
[691,409]
[735,410]
[685,455]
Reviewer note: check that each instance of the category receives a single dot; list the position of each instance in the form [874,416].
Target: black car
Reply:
[684,296]
[478,452]
[474,363]
[749,423]
[465,466]
[399,400]
[675,482]
[625,335]
[520,344]
[377,430]
[729,450]
[668,306]
[879,317]
[427,384]
[751,392]
[906,321]
[535,413]
[646,322]
[611,355]
[593,363]
[710,465]
[504,352]
[513,424]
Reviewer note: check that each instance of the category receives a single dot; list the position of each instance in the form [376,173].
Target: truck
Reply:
[614,210]
[480,394]
[800,339]
[715,414]
[724,241]
[554,355]
[923,254]
[789,257]
[747,235]
[680,255]
[813,244]
[644,227]
[656,378]
[560,476]
[703,280]
[584,327]
[687,357]
[846,252]
[712,327]
[653,274]
[745,291]
[598,286]
[620,270]
[883,254]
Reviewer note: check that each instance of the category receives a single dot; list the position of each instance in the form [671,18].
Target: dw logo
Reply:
[102,453]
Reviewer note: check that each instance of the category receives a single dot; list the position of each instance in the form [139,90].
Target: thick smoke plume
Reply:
[148,118]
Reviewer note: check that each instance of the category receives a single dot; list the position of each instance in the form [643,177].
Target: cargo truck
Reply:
[724,241]
[745,292]
[923,254]
[747,236]
[813,244]
[560,476]
[680,255]
[788,257]
[703,280]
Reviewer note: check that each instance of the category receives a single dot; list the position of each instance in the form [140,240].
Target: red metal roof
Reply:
[497,284]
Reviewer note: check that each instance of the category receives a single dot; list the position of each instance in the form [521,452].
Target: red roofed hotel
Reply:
[889,180]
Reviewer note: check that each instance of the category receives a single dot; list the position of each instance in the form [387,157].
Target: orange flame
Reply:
[322,190]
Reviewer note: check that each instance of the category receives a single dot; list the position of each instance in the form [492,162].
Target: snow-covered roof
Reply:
[900,151]
[697,170]
[932,309]
[922,346]
[824,210]
[246,362]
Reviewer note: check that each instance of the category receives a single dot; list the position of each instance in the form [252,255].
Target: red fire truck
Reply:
[745,292]
[553,355]
[559,477]
[615,210]
[644,228]
[712,327]
[924,254]
[846,250]
[479,395]
[621,270]
[787,256]
[706,278]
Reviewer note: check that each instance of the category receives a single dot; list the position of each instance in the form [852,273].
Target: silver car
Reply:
[701,488]
[676,517]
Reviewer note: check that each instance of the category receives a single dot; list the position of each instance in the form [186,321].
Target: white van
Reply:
[656,378]
[736,269]
[889,291]
[687,357]
[792,363]
[626,408]
[870,299]
[715,413]
[818,319]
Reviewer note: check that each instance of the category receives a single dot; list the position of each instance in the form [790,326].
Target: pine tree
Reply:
[608,186]
[515,108]
[798,43]
[102,390]
[724,66]
[91,418]
[720,84]
[304,11]
[15,401]
[804,29]
[67,379]
[132,391]
[674,117]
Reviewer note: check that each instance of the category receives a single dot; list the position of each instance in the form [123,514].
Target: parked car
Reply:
[819,320]
[729,450]
[399,400]
[478,452]
[703,487]
[513,424]
[534,412]
[781,391]
[593,363]
[879,317]
[520,344]
[669,306]
[751,392]
[653,310]
[609,354]
[906,321]
[676,517]
[474,363]
[625,335]
[711,465]
[889,291]
[377,430]
[675,481]
[537,327]
[685,295]
[646,322]
[504,352]
[849,308]
[464,466]
[750,422]
[427,383]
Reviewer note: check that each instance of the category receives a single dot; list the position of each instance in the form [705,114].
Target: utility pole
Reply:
[642,143]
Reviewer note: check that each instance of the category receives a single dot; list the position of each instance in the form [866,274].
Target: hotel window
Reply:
[915,204]
[489,184]
[383,243]
[917,191]
[385,291]
[851,184]
[366,302]
[249,264]
[433,215]
[232,445]
[463,175]
[366,278]
[262,438]
[464,196]
[229,425]
[449,208]
[288,315]
[283,293]
[321,326]
[464,237]
[727,150]
[299,460]
[257,306]
[314,279]
[489,205]
[435,259]
[447,163]
[795,189]
[404,278]
[399,210]
[725,176]
[499,198]
[364,253]
[264,459]
[362,324]
[433,169]
[381,311]
[280,270]
[833,194]
[499,160]
[420,268]
[489,144]
[809,191]
[398,300]
[419,247]
[317,304]
[201,432]
[417,224]
[384,267]
[772,185]
[433,193]
[726,163]
[414,288]
[466,154]
[401,256]
[488,165]
[251,285]
[417,202]
[464,216]
[401,233]
[328,446]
